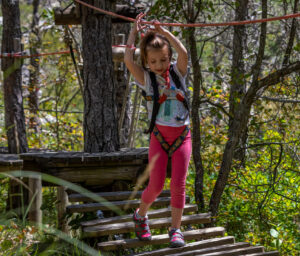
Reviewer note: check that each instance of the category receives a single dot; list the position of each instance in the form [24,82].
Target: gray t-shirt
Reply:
[172,112]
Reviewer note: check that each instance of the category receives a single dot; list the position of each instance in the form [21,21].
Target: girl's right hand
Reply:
[138,24]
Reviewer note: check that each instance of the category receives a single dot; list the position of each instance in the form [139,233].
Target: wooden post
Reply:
[119,40]
[62,199]
[119,52]
[133,117]
[35,199]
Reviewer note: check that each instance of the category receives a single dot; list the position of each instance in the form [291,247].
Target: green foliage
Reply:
[261,202]
[20,237]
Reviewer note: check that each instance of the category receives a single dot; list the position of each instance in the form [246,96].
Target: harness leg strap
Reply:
[170,149]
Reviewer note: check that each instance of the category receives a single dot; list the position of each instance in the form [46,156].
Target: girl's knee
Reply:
[157,189]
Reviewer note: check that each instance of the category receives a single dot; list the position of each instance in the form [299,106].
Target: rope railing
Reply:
[24,54]
[230,23]
[220,24]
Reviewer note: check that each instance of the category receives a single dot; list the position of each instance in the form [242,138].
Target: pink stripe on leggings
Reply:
[180,162]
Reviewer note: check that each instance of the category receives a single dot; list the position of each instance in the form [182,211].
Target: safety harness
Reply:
[158,100]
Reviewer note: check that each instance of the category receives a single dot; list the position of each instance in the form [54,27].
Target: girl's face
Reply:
[158,60]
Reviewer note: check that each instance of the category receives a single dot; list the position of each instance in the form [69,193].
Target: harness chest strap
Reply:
[156,97]
[170,149]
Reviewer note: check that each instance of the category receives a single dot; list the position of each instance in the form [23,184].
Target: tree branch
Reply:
[276,76]
[283,100]
[289,47]
[219,106]
[262,43]
[268,144]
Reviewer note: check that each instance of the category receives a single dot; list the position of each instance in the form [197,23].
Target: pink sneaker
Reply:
[142,229]
[176,238]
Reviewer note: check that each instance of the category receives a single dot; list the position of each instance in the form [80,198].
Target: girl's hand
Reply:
[137,24]
[158,28]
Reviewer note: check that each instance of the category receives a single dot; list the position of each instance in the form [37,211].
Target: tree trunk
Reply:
[237,134]
[100,108]
[238,86]
[13,99]
[35,44]
[241,115]
[196,143]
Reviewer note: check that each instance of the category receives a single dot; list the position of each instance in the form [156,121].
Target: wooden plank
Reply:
[241,251]
[96,175]
[194,248]
[10,162]
[110,229]
[162,239]
[71,17]
[160,213]
[72,159]
[219,248]
[90,207]
[7,168]
[111,196]
[273,253]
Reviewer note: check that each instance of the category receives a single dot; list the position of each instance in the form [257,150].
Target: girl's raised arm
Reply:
[135,69]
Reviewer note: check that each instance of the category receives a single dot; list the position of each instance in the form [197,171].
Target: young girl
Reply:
[164,84]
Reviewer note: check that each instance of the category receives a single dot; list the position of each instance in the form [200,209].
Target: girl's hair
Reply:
[153,40]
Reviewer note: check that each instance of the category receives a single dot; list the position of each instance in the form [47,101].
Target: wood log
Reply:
[111,229]
[191,248]
[35,198]
[125,204]
[160,239]
[237,252]
[119,52]
[71,16]
[160,213]
[96,175]
[10,162]
[63,202]
[112,196]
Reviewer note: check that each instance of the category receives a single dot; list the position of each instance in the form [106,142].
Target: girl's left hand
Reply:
[157,27]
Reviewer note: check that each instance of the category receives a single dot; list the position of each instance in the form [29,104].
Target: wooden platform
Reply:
[10,162]
[89,169]
[208,241]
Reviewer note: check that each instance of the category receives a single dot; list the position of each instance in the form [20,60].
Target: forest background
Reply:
[260,202]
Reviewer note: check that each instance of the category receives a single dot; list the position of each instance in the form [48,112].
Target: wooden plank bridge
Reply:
[200,240]
[110,177]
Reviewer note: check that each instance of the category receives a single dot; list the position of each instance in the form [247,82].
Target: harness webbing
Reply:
[156,103]
[170,149]
[179,86]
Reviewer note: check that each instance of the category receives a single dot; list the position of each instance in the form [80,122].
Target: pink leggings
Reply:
[180,162]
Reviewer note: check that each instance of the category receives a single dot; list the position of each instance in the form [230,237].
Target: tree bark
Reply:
[292,36]
[196,146]
[121,75]
[197,81]
[242,112]
[100,109]
[13,99]
[238,84]
[35,44]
